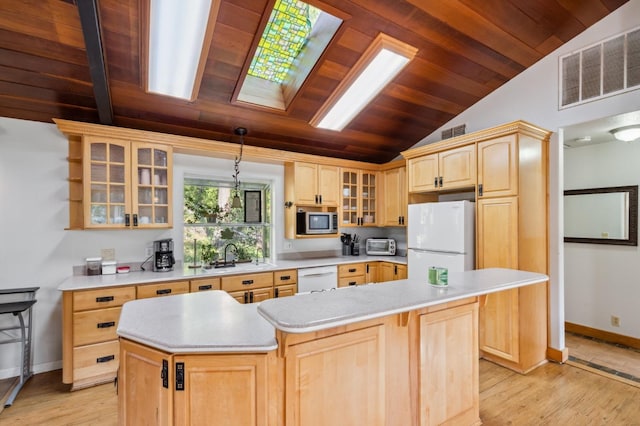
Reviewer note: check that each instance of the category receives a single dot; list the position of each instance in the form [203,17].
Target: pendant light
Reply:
[236,203]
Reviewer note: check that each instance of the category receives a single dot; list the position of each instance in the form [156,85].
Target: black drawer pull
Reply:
[105,358]
[277,292]
[106,324]
[104,299]
[285,277]
[352,270]
[352,283]
[246,297]
[205,287]
[247,282]
[250,297]
[164,291]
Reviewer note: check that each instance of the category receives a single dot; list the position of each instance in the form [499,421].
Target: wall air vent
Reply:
[452,132]
[604,69]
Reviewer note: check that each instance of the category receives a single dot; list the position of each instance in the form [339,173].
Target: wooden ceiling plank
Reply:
[36,46]
[48,81]
[480,28]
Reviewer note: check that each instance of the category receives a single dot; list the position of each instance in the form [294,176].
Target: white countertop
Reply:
[211,322]
[208,321]
[85,282]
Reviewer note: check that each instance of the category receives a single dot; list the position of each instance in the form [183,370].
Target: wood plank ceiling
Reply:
[467,49]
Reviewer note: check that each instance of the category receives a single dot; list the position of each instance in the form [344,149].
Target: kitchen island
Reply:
[397,353]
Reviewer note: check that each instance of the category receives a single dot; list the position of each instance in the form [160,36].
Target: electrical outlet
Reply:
[615,321]
[288,245]
[148,251]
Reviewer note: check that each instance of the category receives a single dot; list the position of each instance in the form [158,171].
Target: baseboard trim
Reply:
[558,355]
[607,336]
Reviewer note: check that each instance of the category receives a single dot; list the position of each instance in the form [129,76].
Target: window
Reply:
[210,224]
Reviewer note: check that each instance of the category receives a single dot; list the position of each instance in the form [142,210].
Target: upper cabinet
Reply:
[116,183]
[498,167]
[313,184]
[442,171]
[359,198]
[394,205]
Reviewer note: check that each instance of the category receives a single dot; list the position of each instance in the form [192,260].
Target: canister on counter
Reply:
[433,275]
[93,265]
[438,276]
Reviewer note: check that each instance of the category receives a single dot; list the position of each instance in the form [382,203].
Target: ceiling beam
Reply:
[90,22]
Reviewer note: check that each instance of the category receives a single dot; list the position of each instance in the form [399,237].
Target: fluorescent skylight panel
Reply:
[176,36]
[380,71]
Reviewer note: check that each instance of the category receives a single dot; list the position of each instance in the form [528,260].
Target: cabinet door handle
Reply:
[435,181]
[104,299]
[352,270]
[395,269]
[320,198]
[205,287]
[440,181]
[250,297]
[285,277]
[480,190]
[246,297]
[247,282]
[106,324]
[105,359]
[127,219]
[164,291]
[316,198]
[367,268]
[135,220]
[277,292]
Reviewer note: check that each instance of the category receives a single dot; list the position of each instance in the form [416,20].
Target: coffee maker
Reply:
[163,259]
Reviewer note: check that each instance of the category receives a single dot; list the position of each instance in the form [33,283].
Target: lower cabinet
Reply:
[162,289]
[351,274]
[204,284]
[285,283]
[249,288]
[418,367]
[391,272]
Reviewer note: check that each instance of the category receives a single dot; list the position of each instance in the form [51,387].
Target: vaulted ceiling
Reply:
[466,49]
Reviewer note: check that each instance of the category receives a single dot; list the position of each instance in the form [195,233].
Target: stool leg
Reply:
[23,356]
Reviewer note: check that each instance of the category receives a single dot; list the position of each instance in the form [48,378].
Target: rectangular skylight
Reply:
[177,32]
[380,64]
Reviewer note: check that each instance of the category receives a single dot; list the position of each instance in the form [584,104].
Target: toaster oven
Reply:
[380,247]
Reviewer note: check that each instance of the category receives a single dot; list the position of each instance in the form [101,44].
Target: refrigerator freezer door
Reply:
[420,261]
[445,226]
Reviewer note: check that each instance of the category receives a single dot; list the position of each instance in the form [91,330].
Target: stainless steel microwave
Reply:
[380,247]
[317,223]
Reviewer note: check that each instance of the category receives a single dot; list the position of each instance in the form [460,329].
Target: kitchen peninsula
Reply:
[395,353]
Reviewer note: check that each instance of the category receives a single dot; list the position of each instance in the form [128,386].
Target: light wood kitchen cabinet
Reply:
[145,291]
[351,274]
[204,284]
[285,283]
[359,198]
[443,171]
[452,377]
[371,272]
[146,386]
[249,288]
[392,271]
[357,364]
[90,344]
[116,183]
[512,232]
[498,167]
[313,184]
[394,212]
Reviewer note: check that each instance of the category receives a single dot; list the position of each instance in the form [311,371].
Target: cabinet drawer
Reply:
[95,326]
[247,282]
[102,298]
[289,276]
[351,270]
[162,289]
[96,360]
[204,284]
[347,281]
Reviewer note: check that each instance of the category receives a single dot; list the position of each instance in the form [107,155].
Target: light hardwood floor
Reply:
[609,355]
[553,394]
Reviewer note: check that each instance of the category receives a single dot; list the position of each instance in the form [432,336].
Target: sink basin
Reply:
[240,268]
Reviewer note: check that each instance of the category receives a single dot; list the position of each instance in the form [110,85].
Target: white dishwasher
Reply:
[317,279]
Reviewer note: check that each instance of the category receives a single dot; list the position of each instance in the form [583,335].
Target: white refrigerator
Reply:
[441,235]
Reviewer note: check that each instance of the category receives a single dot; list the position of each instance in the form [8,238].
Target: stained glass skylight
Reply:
[284,37]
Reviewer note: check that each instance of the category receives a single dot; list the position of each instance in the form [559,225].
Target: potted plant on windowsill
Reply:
[212,214]
[209,255]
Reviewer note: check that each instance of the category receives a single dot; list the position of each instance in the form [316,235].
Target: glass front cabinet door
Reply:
[126,184]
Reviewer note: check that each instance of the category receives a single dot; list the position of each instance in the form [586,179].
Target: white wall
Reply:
[533,96]
[602,280]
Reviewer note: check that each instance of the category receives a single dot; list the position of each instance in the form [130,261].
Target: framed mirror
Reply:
[601,215]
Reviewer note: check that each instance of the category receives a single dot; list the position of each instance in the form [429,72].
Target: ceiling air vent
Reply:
[607,68]
[452,132]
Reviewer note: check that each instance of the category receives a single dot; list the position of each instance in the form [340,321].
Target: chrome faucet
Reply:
[224,262]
